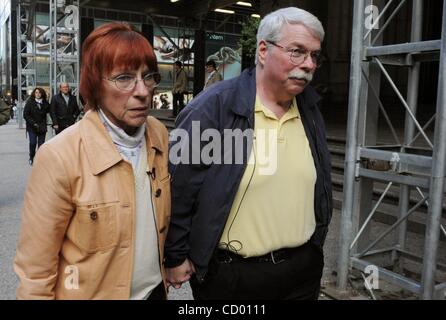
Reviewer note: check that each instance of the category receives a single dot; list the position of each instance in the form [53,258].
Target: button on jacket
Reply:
[77,236]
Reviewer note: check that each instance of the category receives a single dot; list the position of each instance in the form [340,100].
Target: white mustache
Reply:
[301,75]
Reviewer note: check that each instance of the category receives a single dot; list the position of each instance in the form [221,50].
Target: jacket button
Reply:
[94,215]
[157,193]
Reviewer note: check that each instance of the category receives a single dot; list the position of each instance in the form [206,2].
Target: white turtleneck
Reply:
[128,146]
[146,273]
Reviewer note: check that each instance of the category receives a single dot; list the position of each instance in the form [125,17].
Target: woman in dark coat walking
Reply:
[35,112]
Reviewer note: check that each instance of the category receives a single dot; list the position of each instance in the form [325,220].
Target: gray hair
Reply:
[272,24]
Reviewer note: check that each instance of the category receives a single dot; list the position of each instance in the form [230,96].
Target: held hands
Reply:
[178,275]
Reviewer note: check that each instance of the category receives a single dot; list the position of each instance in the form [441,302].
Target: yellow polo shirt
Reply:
[274,205]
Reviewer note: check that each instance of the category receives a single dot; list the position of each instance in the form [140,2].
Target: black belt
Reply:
[275,257]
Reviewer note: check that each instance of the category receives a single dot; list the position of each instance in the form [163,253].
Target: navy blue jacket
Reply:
[202,194]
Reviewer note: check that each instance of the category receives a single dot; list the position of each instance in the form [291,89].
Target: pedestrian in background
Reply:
[213,76]
[4,112]
[179,88]
[36,109]
[64,108]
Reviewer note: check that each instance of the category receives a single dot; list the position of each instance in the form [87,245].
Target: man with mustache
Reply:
[237,232]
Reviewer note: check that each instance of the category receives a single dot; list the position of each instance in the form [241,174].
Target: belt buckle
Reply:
[274,261]
[228,259]
[224,257]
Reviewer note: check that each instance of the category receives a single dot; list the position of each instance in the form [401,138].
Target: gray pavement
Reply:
[14,170]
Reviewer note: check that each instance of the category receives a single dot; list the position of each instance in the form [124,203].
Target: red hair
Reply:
[112,45]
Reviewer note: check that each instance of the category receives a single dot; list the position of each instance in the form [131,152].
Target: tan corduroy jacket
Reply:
[77,235]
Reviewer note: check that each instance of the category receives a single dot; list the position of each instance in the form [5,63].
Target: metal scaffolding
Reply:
[409,165]
[65,45]
[26,53]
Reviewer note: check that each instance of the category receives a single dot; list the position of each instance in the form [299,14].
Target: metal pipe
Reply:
[424,128]
[352,126]
[383,110]
[443,229]
[371,214]
[412,101]
[51,50]
[53,57]
[392,227]
[20,101]
[403,102]
[437,180]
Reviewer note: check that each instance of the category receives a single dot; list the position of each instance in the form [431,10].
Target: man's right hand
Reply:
[178,275]
[56,127]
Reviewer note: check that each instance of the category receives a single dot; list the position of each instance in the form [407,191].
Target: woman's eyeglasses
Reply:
[127,82]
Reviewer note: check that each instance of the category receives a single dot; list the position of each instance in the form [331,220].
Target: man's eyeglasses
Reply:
[299,55]
[127,82]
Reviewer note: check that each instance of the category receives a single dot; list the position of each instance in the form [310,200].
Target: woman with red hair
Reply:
[97,204]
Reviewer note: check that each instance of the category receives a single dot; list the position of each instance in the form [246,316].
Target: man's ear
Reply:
[263,51]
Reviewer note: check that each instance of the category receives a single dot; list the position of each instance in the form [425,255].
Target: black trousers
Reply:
[158,293]
[296,277]
[178,103]
[35,140]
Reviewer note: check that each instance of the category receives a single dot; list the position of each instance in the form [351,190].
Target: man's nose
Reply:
[308,64]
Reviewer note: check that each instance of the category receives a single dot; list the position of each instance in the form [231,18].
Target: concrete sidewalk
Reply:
[14,171]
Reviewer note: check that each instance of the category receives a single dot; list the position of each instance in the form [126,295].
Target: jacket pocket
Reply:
[95,228]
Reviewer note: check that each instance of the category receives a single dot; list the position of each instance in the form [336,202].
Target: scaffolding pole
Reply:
[350,155]
[412,101]
[26,54]
[65,45]
[437,179]
[408,166]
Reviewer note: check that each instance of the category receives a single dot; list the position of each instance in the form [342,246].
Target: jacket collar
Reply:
[247,93]
[101,152]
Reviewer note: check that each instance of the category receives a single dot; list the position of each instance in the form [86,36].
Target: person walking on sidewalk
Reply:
[64,109]
[4,112]
[179,88]
[36,109]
